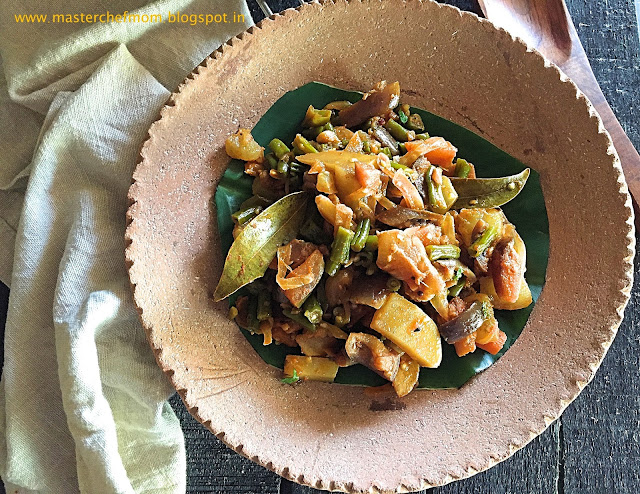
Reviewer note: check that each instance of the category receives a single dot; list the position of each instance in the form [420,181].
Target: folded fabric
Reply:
[82,402]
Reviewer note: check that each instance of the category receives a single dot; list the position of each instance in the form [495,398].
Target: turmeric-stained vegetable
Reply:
[436,149]
[410,328]
[310,368]
[299,281]
[507,267]
[408,190]
[524,295]
[242,146]
[404,256]
[399,232]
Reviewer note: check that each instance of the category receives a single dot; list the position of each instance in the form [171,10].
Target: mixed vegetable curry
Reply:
[367,241]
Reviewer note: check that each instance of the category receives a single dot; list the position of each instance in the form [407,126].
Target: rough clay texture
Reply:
[327,435]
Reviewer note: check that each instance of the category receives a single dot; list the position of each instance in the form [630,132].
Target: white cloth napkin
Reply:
[82,403]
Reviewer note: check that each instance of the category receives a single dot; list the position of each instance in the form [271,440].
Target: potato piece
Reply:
[524,297]
[410,328]
[466,221]
[311,368]
[242,146]
[407,376]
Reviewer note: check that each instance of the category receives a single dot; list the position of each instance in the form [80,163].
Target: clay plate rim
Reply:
[580,381]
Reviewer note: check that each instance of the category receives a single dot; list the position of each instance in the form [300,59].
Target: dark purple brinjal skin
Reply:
[463,325]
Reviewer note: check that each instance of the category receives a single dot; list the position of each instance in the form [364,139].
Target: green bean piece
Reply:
[483,242]
[398,131]
[415,123]
[300,319]
[340,317]
[252,315]
[282,167]
[279,148]
[313,132]
[399,166]
[321,294]
[271,160]
[362,232]
[264,305]
[387,151]
[423,136]
[339,250]
[402,148]
[245,215]
[463,168]
[295,167]
[371,243]
[436,252]
[312,309]
[316,118]
[455,290]
[436,199]
[364,259]
[303,146]
[394,284]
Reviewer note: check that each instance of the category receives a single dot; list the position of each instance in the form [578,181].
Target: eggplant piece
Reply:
[380,101]
[400,217]
[369,351]
[382,135]
[369,290]
[462,326]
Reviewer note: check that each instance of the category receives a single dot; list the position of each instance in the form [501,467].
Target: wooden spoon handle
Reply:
[547,26]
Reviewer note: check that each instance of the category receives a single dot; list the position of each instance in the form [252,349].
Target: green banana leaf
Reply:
[527,212]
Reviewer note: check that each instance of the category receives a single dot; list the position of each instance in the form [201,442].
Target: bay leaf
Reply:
[256,246]
[488,192]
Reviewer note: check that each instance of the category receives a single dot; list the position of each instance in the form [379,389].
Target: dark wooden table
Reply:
[595,446]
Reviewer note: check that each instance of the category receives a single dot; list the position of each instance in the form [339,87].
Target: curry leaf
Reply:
[488,192]
[256,246]
[526,211]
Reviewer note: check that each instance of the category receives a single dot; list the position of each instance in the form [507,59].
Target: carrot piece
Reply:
[409,191]
[437,150]
[443,155]
[495,346]
[466,345]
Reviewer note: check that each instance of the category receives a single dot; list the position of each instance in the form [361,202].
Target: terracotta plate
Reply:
[450,63]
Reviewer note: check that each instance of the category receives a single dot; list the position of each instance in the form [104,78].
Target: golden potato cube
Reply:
[406,324]
[311,368]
